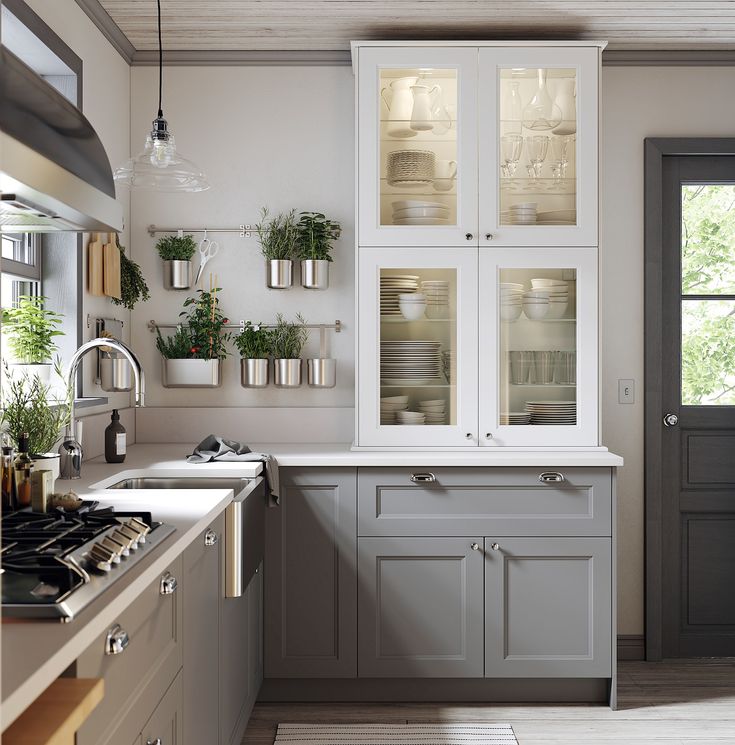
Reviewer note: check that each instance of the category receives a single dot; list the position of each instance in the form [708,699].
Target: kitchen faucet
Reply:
[70,450]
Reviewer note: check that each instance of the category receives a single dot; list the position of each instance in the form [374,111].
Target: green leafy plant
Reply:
[175,248]
[277,235]
[289,338]
[206,324]
[175,347]
[254,342]
[314,236]
[29,405]
[133,287]
[32,328]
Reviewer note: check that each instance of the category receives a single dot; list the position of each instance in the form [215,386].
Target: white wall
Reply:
[281,137]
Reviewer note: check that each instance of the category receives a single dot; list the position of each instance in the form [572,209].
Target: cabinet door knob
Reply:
[475,546]
[671,420]
[495,546]
[468,436]
[551,477]
[117,640]
[468,236]
[168,584]
[423,478]
[157,741]
[488,236]
[488,435]
[211,538]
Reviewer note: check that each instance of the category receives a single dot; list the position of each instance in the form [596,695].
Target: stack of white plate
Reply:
[552,412]
[557,217]
[410,417]
[515,417]
[558,290]
[389,405]
[391,286]
[437,297]
[409,168]
[449,365]
[435,410]
[409,362]
[511,300]
[536,303]
[419,212]
[523,213]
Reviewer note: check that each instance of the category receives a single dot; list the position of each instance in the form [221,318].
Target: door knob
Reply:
[488,236]
[211,538]
[495,546]
[671,420]
[468,236]
[168,584]
[469,436]
[117,640]
[475,546]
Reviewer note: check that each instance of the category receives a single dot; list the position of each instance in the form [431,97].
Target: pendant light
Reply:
[159,167]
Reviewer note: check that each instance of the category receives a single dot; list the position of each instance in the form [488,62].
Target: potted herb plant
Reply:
[29,405]
[192,356]
[277,236]
[177,252]
[288,342]
[314,236]
[255,345]
[31,329]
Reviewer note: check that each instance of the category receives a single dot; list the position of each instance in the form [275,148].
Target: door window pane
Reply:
[537,148]
[538,345]
[708,352]
[708,239]
[418,146]
[418,347]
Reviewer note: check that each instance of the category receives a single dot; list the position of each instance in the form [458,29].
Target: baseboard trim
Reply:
[631,647]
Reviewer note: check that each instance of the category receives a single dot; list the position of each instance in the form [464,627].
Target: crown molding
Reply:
[668,57]
[110,30]
[244,57]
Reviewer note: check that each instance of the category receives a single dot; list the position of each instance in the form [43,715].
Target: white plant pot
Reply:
[42,370]
[192,373]
[48,462]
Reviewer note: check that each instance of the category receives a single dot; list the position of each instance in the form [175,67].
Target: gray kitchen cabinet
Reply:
[420,608]
[165,727]
[499,501]
[311,586]
[202,592]
[548,607]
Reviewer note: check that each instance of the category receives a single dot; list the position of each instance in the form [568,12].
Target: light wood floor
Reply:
[670,703]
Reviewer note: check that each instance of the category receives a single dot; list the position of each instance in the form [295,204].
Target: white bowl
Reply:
[535,311]
[412,311]
[539,294]
[411,297]
[510,312]
[545,282]
[557,310]
[421,212]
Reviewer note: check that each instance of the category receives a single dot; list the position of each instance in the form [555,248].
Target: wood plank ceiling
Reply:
[331,24]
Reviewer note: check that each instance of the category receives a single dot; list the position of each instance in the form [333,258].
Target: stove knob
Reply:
[100,558]
[131,535]
[113,546]
[141,528]
[123,540]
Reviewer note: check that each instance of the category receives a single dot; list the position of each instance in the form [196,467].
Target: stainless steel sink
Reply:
[183,482]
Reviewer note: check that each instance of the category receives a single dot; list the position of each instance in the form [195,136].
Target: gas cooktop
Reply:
[55,564]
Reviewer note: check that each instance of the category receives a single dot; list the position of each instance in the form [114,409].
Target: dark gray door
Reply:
[690,414]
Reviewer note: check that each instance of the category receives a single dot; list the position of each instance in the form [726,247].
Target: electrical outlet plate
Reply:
[626,391]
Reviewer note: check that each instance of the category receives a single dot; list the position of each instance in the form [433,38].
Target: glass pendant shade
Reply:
[159,167]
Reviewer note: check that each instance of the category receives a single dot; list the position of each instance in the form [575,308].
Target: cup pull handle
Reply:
[551,477]
[117,640]
[423,478]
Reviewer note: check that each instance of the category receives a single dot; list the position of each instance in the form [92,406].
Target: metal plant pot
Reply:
[322,372]
[315,274]
[116,374]
[279,273]
[192,373]
[177,275]
[288,373]
[254,373]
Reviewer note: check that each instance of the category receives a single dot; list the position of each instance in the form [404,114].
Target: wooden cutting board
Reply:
[95,266]
[112,267]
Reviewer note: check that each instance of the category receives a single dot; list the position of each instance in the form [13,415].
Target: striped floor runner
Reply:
[395,734]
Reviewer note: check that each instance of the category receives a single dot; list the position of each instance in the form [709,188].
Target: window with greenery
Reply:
[708,294]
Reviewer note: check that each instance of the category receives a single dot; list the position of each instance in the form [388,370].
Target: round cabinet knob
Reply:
[157,741]
[475,546]
[671,420]
[488,435]
[211,538]
[168,584]
[495,546]
[468,236]
[488,236]
[468,436]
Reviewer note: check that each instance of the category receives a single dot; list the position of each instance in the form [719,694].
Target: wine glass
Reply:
[536,147]
[560,151]
[511,147]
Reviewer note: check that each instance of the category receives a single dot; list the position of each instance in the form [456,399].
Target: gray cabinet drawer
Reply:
[136,679]
[166,723]
[489,501]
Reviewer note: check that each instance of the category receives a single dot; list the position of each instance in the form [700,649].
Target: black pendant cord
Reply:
[160,64]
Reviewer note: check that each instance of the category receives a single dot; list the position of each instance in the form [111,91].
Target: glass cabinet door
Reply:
[538,146]
[417,359]
[417,116]
[538,342]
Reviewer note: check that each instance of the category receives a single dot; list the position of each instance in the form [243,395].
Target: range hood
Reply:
[54,172]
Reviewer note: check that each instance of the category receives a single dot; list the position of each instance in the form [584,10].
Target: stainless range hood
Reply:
[54,172]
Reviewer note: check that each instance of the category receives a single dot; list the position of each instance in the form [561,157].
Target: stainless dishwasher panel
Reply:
[244,537]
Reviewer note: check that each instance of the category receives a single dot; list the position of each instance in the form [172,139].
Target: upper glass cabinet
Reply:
[417,156]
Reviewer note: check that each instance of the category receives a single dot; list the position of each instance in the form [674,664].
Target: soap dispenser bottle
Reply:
[115,440]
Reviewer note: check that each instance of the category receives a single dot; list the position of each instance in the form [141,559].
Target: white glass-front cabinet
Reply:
[477,145]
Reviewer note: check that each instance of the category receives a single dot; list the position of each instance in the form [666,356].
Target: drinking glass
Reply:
[511,147]
[536,148]
[560,151]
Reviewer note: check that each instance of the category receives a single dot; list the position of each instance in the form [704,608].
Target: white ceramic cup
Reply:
[444,173]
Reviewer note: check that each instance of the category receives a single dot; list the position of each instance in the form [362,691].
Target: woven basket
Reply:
[410,165]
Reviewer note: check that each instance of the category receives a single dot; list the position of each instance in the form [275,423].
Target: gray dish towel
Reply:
[214,448]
